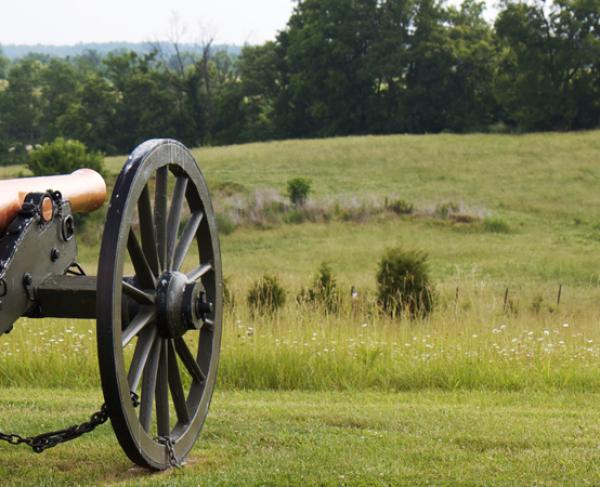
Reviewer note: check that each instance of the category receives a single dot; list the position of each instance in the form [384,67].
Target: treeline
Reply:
[340,67]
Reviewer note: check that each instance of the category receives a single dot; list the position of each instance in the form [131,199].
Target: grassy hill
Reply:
[492,388]
[544,187]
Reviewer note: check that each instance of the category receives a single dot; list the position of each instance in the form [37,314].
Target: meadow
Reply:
[525,220]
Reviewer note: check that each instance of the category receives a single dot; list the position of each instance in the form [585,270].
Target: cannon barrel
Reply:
[85,190]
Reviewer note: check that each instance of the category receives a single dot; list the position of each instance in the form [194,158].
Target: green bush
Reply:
[324,290]
[266,295]
[294,217]
[403,284]
[495,225]
[298,190]
[400,207]
[63,156]
[443,210]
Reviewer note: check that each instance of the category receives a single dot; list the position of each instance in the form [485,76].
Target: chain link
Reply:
[168,442]
[44,441]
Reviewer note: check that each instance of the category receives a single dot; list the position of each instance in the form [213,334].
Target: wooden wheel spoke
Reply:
[199,271]
[140,357]
[160,214]
[188,360]
[177,392]
[138,295]
[162,392]
[142,269]
[175,216]
[149,386]
[147,230]
[138,323]
[187,237]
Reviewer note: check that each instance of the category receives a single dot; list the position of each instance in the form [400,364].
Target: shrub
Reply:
[403,284]
[63,156]
[266,295]
[444,209]
[298,190]
[495,225]
[324,290]
[294,217]
[400,207]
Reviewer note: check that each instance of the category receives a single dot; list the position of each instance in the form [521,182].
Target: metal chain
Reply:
[168,442]
[44,441]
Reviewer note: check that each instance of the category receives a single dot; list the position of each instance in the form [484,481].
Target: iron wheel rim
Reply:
[161,158]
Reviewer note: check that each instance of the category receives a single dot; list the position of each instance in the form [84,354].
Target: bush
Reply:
[495,225]
[403,284]
[324,290]
[443,210]
[63,156]
[400,207]
[298,190]
[294,217]
[266,295]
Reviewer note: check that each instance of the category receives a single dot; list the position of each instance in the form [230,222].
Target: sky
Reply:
[59,22]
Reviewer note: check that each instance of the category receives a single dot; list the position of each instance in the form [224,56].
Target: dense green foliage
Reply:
[298,190]
[339,67]
[63,157]
[324,291]
[266,295]
[403,283]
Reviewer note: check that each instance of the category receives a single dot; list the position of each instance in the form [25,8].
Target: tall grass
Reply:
[474,343]
[527,219]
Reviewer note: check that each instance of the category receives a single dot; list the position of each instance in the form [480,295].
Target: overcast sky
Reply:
[72,21]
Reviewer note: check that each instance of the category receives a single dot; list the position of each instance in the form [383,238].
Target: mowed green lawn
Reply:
[295,438]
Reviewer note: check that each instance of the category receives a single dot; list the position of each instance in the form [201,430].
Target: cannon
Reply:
[156,297]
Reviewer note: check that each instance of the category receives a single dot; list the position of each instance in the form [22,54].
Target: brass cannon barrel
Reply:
[85,189]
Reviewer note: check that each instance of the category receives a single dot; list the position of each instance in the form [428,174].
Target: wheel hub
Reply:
[180,305]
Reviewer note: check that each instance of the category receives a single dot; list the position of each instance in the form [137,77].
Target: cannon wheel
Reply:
[158,325]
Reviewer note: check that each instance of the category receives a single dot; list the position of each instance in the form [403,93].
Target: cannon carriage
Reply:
[156,296]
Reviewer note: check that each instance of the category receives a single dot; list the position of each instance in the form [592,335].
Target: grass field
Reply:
[481,392]
[298,438]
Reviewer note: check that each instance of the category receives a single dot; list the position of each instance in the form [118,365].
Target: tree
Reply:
[58,83]
[147,104]
[91,118]
[548,74]
[388,61]
[22,108]
[4,63]
[329,85]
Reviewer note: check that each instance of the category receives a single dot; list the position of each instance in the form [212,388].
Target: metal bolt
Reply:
[27,279]
[54,255]
[202,307]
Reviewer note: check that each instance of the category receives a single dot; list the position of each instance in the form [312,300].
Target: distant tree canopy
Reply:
[340,67]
